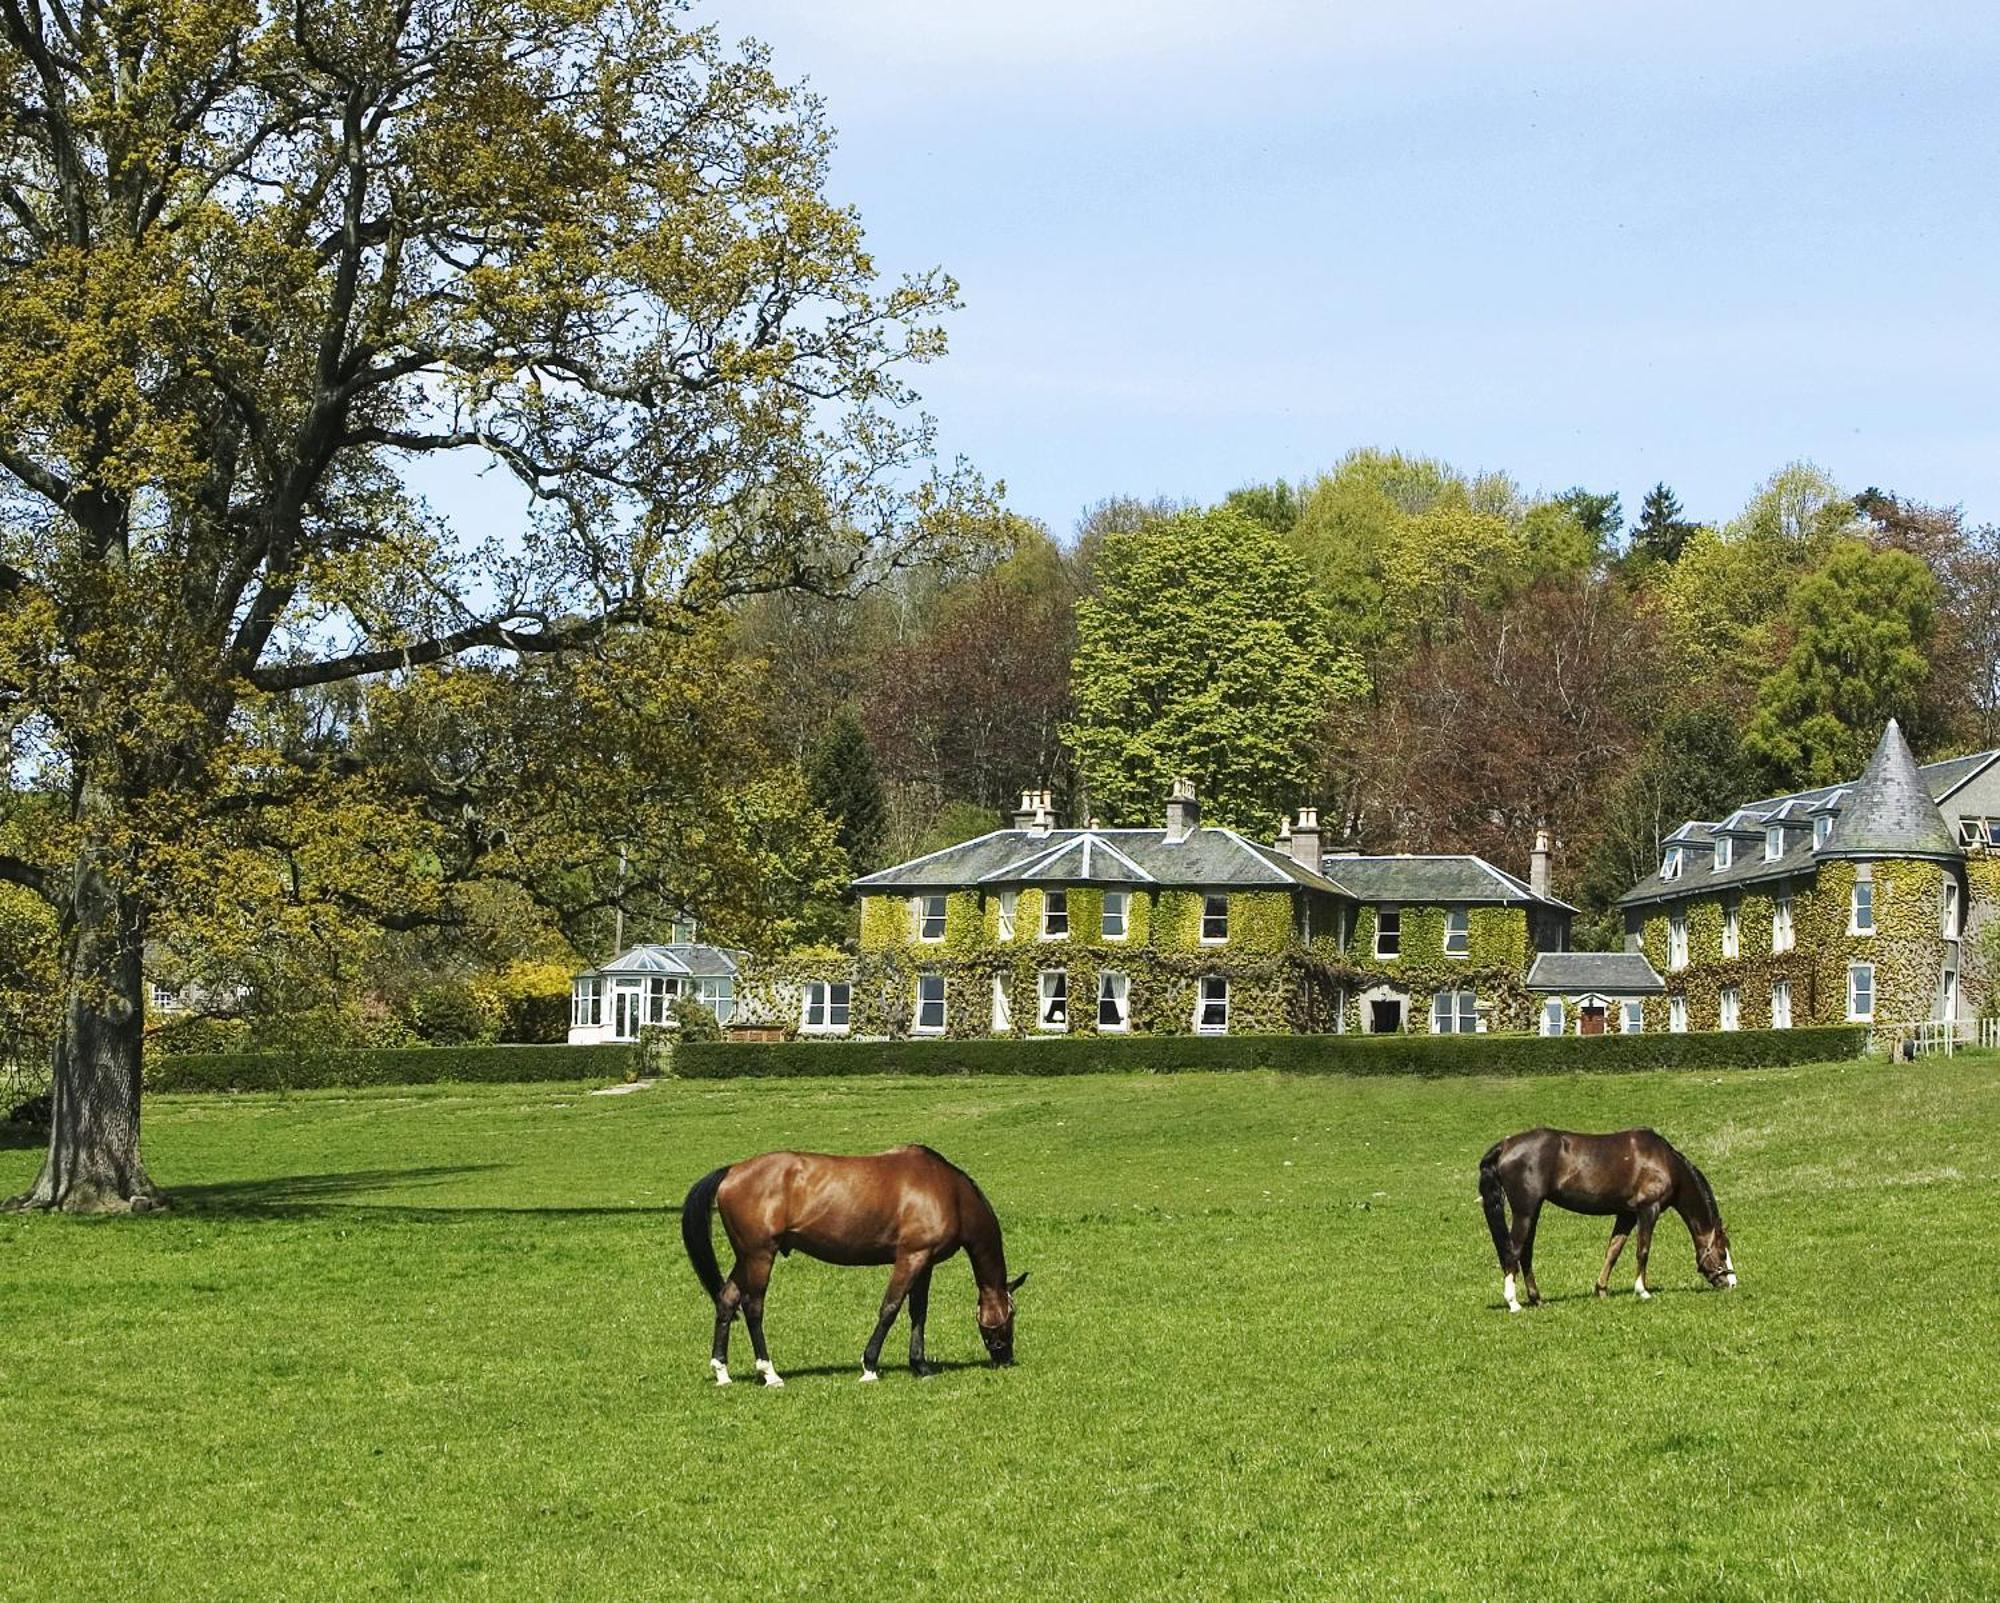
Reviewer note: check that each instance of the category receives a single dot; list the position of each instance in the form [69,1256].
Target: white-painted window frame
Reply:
[1854,900]
[1855,1013]
[1459,1013]
[1123,899]
[1214,919]
[831,1012]
[1724,854]
[1051,912]
[920,907]
[1677,942]
[1677,1015]
[1009,905]
[1390,910]
[1114,987]
[1553,1012]
[1051,992]
[1781,1004]
[1784,935]
[1463,932]
[1671,862]
[1729,1007]
[1631,1017]
[1951,919]
[943,1002]
[1003,1008]
[1732,929]
[1201,1005]
[1774,842]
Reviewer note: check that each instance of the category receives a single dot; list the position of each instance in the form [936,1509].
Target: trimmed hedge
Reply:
[1294,1054]
[412,1065]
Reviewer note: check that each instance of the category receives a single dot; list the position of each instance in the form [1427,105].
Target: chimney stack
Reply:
[1305,847]
[1183,810]
[1538,864]
[1036,814]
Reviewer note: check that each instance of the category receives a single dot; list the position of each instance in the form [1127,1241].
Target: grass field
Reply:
[443,1344]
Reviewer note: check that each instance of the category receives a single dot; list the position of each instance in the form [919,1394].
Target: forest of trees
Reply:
[1439,660]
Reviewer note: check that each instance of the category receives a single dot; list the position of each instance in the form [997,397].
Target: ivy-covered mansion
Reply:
[1854,902]
[1191,928]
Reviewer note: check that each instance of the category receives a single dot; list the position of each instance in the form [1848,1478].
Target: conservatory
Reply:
[637,990]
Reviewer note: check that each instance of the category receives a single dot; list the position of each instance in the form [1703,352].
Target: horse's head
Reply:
[996,1320]
[1711,1257]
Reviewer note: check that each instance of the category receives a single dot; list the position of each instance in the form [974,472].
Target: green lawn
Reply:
[444,1344]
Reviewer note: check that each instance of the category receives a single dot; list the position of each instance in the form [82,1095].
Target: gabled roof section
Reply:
[1211,857]
[686,960]
[1595,973]
[1457,877]
[1892,813]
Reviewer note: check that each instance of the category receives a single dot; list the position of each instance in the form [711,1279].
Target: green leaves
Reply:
[1204,652]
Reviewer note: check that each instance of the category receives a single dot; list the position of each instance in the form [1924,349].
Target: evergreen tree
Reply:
[1661,531]
[848,790]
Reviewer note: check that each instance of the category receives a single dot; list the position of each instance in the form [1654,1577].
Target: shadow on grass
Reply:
[21,1137]
[852,1371]
[298,1196]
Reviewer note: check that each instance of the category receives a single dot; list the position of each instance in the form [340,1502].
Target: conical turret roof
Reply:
[1890,813]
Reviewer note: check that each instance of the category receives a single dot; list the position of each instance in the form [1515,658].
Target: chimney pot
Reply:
[1305,840]
[1538,863]
[1183,810]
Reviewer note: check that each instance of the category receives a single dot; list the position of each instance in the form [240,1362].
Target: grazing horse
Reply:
[910,1208]
[1634,1175]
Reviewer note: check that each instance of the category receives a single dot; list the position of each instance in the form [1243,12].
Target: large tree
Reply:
[258,260]
[1204,652]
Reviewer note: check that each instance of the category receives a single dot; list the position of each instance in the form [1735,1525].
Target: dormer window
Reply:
[1670,865]
[1774,842]
[1725,852]
[1822,828]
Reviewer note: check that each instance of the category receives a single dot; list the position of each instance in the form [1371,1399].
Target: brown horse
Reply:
[1634,1175]
[910,1208]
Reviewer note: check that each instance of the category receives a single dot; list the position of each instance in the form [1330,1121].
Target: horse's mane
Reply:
[955,1169]
[1707,1191]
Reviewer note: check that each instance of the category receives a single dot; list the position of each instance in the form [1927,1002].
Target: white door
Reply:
[625,1011]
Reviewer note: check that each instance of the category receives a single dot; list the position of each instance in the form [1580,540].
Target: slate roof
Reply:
[1434,878]
[689,960]
[1605,973]
[1890,811]
[1209,857]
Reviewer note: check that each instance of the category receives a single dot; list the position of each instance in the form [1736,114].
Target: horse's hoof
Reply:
[868,1375]
[721,1376]
[771,1376]
[1513,1307]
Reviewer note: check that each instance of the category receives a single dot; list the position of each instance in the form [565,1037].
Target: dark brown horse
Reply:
[910,1208]
[1634,1175]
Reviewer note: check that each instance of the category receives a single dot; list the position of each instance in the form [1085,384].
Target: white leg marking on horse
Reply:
[868,1375]
[1507,1291]
[721,1371]
[769,1372]
[1639,1286]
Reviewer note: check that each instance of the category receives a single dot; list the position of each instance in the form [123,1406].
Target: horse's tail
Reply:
[696,1212]
[1493,1198]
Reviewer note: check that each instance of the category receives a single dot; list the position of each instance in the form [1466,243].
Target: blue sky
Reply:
[1584,243]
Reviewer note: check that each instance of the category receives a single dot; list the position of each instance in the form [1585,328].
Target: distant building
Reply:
[638,988]
[1851,902]
[1191,928]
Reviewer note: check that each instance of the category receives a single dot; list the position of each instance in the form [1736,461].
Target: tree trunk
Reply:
[93,1163]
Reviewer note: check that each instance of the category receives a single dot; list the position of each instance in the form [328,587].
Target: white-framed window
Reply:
[1214,920]
[1388,931]
[1677,1015]
[1211,1010]
[1003,1009]
[1117,906]
[1725,853]
[164,998]
[1671,861]
[1732,930]
[1677,941]
[586,1000]
[930,918]
[1054,1011]
[1861,992]
[719,995]
[1457,932]
[1631,1018]
[1861,908]
[1552,1016]
[1113,1001]
[828,1006]
[1730,1001]
[660,995]
[1822,828]
[930,1004]
[1781,924]
[1055,915]
[1949,924]
[1781,1005]
[1454,1013]
[1004,920]
[681,931]
[1774,842]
